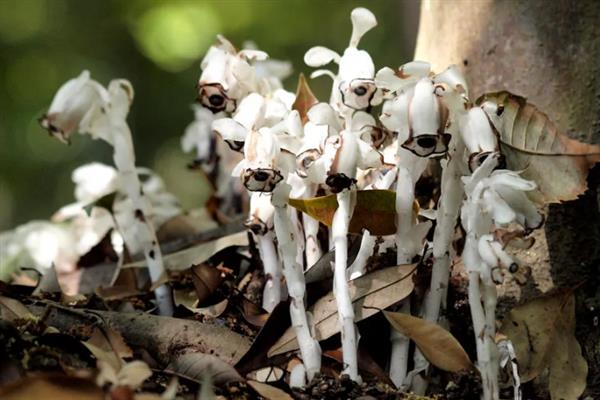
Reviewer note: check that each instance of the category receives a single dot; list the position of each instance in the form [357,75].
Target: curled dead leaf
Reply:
[531,142]
[370,293]
[183,259]
[207,279]
[543,334]
[11,309]
[437,344]
[375,210]
[305,98]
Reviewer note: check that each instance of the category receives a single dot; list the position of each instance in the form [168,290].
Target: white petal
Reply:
[502,255]
[453,78]
[261,149]
[321,72]
[424,109]
[394,116]
[527,213]
[215,67]
[361,120]
[363,21]
[323,114]
[224,44]
[74,105]
[356,64]
[369,157]
[285,97]
[239,167]
[477,133]
[486,252]
[250,112]
[415,70]
[318,56]
[230,130]
[347,156]
[500,210]
[386,78]
[94,181]
[511,180]
[253,55]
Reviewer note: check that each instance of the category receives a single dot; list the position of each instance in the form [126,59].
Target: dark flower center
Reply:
[261,176]
[427,142]
[360,91]
[216,100]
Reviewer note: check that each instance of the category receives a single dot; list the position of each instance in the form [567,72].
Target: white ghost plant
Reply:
[84,105]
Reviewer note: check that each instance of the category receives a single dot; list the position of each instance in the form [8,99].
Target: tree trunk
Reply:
[549,52]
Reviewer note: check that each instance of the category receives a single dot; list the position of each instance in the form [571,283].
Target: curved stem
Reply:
[124,158]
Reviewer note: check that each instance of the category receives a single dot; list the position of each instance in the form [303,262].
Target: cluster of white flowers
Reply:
[379,128]
[84,105]
[344,145]
[78,227]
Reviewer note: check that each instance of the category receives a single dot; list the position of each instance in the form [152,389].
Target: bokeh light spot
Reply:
[22,20]
[176,34]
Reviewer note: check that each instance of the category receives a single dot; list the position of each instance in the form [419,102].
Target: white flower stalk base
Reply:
[341,221]
[124,159]
[408,242]
[268,255]
[484,326]
[448,211]
[294,276]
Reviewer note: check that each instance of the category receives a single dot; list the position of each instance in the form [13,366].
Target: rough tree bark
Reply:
[549,52]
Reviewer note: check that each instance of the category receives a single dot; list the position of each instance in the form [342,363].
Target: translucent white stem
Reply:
[399,356]
[341,221]
[359,266]
[409,171]
[294,276]
[452,192]
[487,357]
[268,255]
[124,158]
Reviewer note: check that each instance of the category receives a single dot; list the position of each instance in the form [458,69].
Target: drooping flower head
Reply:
[74,107]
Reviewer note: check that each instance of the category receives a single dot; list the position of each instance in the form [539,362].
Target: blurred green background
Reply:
[157,45]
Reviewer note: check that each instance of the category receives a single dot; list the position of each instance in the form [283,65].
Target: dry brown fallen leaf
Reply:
[543,334]
[375,211]
[531,142]
[189,299]
[305,99]
[52,387]
[370,293]
[184,225]
[108,346]
[11,309]
[437,344]
[183,259]
[269,392]
[207,279]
